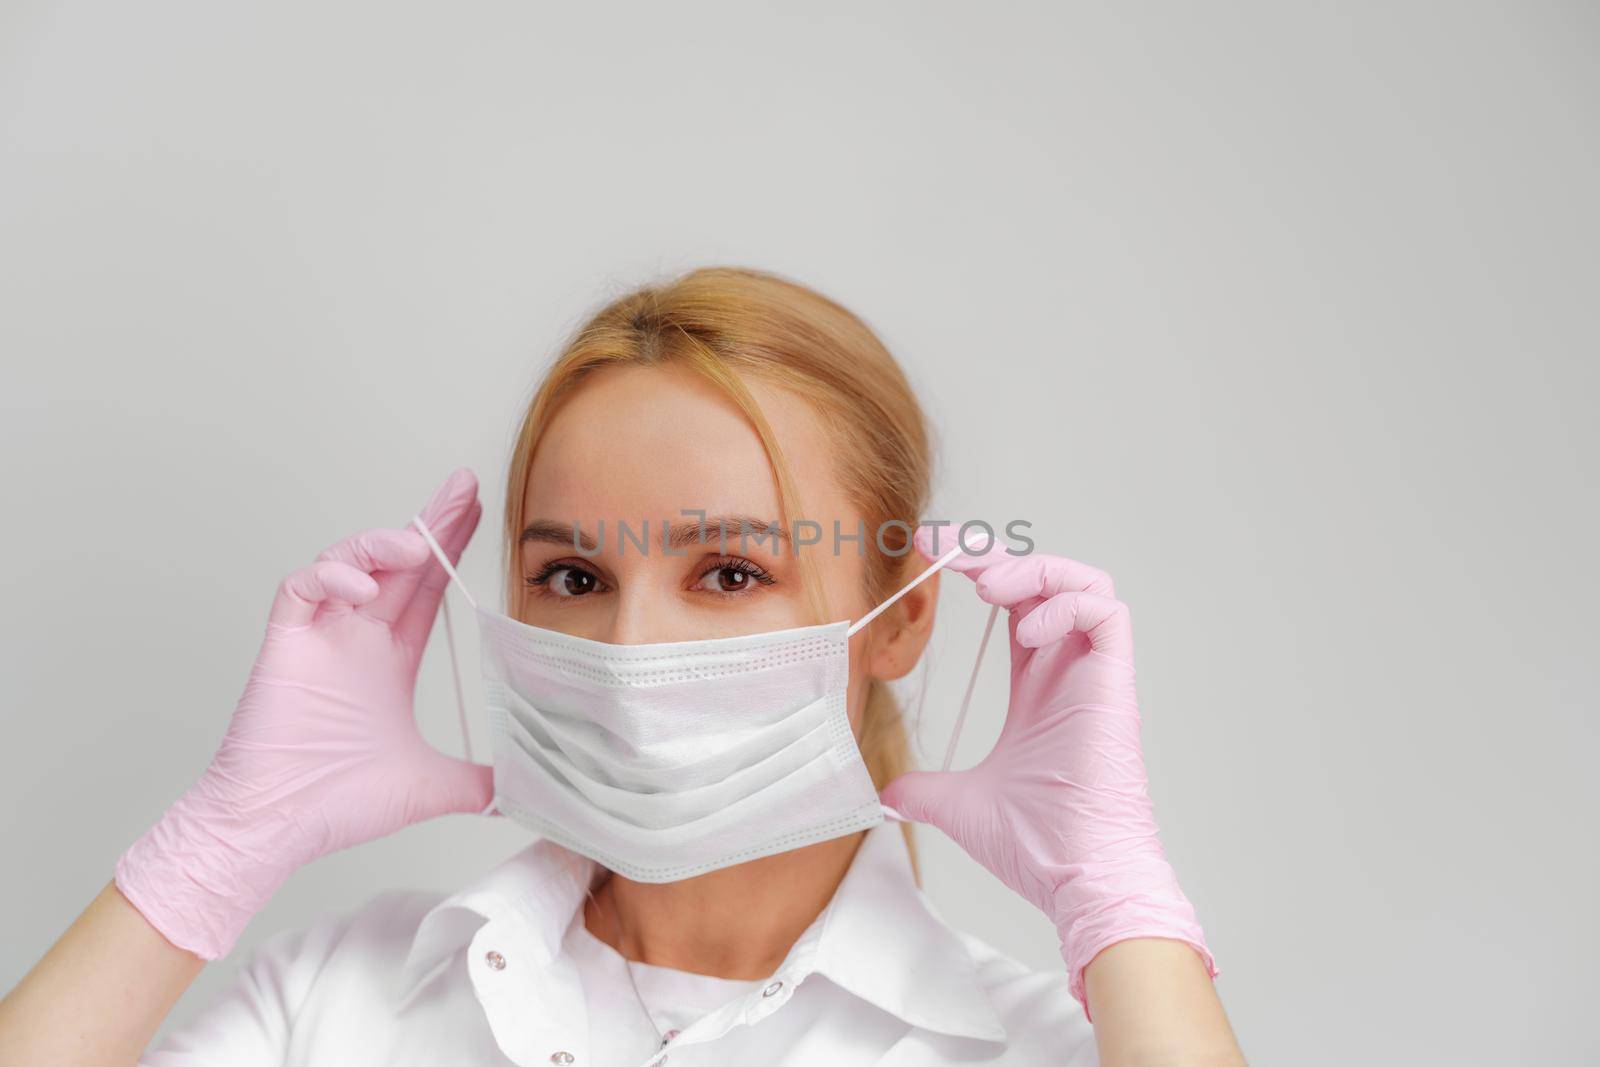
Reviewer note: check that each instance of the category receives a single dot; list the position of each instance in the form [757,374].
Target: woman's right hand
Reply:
[323,750]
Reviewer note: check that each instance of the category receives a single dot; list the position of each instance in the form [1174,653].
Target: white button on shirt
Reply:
[505,972]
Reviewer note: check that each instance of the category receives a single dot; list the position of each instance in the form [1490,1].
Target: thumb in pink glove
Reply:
[323,751]
[1060,810]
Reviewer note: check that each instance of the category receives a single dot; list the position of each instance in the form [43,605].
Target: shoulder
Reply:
[386,922]
[1044,1024]
[373,938]
[295,979]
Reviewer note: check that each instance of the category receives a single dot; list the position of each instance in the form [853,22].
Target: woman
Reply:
[787,936]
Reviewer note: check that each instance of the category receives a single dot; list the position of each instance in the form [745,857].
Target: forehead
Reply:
[651,442]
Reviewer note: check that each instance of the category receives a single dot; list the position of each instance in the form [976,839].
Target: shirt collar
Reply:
[536,892]
[878,938]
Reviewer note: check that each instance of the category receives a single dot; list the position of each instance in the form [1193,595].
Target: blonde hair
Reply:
[721,322]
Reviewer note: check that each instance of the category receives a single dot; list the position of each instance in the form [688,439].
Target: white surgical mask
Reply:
[662,761]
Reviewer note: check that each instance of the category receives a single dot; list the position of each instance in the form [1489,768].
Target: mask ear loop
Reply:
[983,646]
[903,590]
[972,682]
[449,631]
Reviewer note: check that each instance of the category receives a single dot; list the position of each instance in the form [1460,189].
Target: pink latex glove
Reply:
[323,751]
[1059,810]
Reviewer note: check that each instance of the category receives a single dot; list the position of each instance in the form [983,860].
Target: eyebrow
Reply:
[715,529]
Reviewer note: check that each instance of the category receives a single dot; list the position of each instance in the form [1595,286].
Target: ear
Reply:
[899,639]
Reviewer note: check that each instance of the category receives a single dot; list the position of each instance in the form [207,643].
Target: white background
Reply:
[1282,313]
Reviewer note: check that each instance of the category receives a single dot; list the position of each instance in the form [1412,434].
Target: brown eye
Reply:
[730,580]
[564,582]
[574,582]
[732,577]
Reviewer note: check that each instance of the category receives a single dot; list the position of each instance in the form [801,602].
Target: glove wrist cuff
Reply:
[198,879]
[1092,917]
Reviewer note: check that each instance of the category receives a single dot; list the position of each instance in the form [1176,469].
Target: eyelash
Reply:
[740,564]
[541,579]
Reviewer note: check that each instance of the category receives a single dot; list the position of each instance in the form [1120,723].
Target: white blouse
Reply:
[643,1005]
[505,971]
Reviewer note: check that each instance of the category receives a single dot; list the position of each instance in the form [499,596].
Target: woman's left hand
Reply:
[1060,809]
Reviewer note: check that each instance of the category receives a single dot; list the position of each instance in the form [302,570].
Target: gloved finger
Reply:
[398,581]
[321,585]
[456,786]
[1032,577]
[918,795]
[1104,621]
[986,551]
[454,504]
[416,621]
[388,555]
[380,550]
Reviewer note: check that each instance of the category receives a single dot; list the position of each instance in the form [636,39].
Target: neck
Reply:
[737,922]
